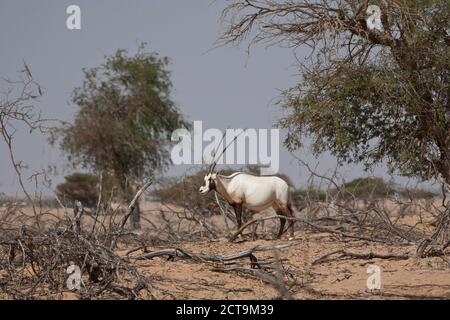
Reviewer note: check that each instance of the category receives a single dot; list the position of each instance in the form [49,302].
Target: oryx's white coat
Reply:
[255,192]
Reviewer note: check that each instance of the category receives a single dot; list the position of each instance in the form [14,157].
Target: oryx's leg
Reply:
[285,210]
[282,222]
[290,213]
[254,227]
[280,212]
[238,211]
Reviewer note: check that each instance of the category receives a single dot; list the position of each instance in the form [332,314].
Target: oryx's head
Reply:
[209,183]
[211,177]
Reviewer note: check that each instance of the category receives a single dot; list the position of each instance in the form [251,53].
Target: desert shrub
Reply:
[364,188]
[46,202]
[84,187]
[417,193]
[375,187]
[7,200]
[360,188]
[302,196]
[79,186]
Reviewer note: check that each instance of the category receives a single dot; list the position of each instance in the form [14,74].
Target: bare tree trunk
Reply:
[136,216]
[76,222]
[136,213]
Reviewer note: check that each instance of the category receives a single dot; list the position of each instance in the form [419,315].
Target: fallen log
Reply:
[181,253]
[364,256]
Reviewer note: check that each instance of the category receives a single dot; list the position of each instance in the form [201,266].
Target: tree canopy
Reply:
[126,117]
[366,94]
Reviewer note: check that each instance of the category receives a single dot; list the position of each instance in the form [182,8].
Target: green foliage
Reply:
[125,118]
[79,186]
[366,96]
[368,114]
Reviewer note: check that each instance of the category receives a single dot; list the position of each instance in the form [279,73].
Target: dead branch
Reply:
[181,253]
[130,210]
[266,277]
[339,254]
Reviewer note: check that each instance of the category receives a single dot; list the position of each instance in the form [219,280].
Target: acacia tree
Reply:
[367,94]
[125,120]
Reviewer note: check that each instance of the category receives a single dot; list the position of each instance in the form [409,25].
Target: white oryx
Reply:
[255,192]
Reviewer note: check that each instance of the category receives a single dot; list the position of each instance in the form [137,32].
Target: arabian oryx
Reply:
[255,192]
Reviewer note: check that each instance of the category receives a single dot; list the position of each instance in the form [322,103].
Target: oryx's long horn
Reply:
[224,149]
[213,167]
[214,161]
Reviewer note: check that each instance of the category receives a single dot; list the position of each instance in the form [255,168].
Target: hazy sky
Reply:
[223,87]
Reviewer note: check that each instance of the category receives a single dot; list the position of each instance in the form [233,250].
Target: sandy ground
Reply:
[413,278]
[427,278]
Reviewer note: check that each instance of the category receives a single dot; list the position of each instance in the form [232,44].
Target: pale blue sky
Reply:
[223,87]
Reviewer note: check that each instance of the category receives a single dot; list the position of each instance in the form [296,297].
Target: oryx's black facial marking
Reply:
[212,184]
[208,184]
